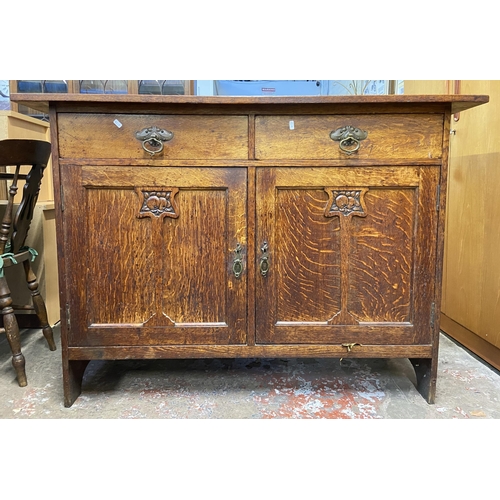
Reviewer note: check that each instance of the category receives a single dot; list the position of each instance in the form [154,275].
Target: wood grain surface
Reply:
[170,278]
[308,137]
[352,243]
[205,137]
[386,258]
[199,104]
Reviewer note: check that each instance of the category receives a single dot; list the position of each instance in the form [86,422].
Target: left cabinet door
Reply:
[155,255]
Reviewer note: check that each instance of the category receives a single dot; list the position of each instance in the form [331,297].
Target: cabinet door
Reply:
[155,255]
[346,255]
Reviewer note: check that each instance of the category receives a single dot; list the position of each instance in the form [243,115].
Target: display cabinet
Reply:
[143,87]
[197,227]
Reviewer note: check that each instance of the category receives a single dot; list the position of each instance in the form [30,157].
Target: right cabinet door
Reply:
[346,255]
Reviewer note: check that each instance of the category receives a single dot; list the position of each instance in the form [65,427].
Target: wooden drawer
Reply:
[113,136]
[390,137]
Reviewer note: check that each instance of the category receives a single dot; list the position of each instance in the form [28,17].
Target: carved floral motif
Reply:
[157,202]
[346,202]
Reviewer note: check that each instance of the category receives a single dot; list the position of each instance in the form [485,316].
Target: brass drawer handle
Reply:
[349,138]
[264,260]
[153,138]
[237,262]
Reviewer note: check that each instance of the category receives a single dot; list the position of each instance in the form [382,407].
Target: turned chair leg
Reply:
[39,305]
[11,329]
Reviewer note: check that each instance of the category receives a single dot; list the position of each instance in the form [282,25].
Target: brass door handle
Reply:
[349,138]
[237,262]
[153,138]
[264,260]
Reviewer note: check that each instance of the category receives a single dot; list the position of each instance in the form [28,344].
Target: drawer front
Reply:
[389,137]
[114,136]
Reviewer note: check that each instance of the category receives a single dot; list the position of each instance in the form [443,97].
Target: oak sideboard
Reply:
[196,227]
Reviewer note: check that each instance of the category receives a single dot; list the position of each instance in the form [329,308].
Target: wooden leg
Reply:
[426,372]
[72,379]
[39,305]
[12,332]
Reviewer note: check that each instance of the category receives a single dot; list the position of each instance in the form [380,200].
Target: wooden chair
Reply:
[13,232]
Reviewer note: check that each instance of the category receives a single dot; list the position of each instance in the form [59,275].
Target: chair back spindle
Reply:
[18,152]
[13,232]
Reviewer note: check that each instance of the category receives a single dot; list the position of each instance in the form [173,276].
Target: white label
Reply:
[117,123]
[292,125]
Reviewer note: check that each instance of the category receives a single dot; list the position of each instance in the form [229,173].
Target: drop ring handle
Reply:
[264,260]
[349,138]
[238,262]
[152,139]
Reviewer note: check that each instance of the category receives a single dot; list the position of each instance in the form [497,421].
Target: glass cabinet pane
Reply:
[42,86]
[150,87]
[162,87]
[116,87]
[173,87]
[55,86]
[103,87]
[30,86]
[91,87]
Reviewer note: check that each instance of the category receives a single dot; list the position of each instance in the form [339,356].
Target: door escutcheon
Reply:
[237,262]
[264,260]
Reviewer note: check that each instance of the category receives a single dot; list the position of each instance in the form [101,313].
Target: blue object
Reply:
[267,87]
[30,86]
[56,87]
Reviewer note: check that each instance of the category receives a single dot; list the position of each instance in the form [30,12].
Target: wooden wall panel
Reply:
[473,288]
[471,279]
[419,87]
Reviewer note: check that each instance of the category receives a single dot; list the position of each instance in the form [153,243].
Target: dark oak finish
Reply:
[13,232]
[251,233]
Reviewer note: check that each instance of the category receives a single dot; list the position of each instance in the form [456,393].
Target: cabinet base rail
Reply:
[76,359]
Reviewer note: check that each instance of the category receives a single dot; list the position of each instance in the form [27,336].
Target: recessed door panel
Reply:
[157,262]
[380,256]
[350,254]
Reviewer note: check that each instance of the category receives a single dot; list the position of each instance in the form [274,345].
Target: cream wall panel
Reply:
[471,273]
[473,267]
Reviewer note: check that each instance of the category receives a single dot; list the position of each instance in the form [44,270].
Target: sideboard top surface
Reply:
[41,102]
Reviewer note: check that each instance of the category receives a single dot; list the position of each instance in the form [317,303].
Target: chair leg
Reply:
[39,305]
[12,332]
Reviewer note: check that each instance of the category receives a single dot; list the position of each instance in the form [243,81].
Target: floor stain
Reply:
[311,388]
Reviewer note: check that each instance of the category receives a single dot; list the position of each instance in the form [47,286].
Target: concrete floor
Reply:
[248,388]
